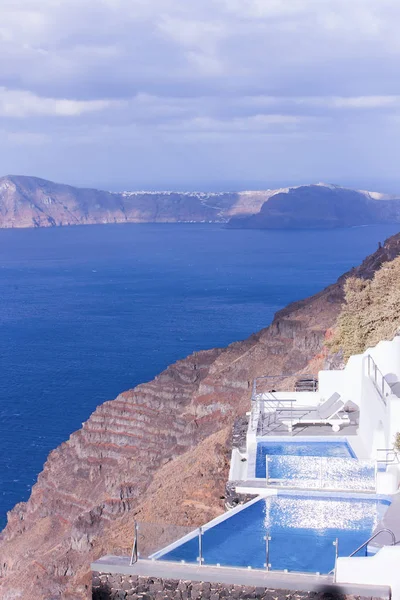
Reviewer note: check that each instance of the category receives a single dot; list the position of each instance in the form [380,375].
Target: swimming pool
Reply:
[302,531]
[283,448]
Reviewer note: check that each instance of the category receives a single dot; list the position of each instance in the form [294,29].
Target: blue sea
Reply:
[87,312]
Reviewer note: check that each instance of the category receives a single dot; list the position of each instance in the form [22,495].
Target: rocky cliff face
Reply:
[321,206]
[158,452]
[33,202]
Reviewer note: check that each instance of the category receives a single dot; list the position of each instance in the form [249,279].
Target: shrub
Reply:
[371,311]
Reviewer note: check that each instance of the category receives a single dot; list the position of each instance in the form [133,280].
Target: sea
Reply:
[87,312]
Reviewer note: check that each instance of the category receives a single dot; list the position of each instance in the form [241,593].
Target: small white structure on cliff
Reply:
[361,404]
[369,389]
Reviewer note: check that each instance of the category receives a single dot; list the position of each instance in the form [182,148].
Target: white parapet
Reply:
[387,482]
[386,354]
[238,468]
[380,569]
[330,382]
[254,415]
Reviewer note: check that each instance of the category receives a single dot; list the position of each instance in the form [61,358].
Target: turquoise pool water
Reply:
[302,528]
[322,448]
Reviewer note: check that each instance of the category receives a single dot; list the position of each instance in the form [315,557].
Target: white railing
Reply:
[365,544]
[380,382]
[270,410]
[387,456]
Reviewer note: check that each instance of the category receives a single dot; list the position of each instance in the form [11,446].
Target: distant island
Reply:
[33,202]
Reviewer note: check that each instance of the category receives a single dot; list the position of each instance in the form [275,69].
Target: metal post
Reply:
[200,546]
[267,539]
[134,554]
[291,415]
[336,544]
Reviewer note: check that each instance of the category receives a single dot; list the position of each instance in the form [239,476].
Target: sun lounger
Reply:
[301,409]
[329,412]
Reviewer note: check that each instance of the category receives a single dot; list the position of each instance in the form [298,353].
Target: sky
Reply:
[201,94]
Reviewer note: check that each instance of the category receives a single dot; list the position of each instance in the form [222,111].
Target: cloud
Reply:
[146,73]
[18,103]
[367,102]
[269,10]
[259,124]
[350,102]
[18,138]
[81,48]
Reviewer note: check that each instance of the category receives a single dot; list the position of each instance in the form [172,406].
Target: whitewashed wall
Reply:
[381,569]
[378,423]
[386,354]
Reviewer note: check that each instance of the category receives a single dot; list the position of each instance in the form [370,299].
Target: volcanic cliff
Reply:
[159,452]
[321,206]
[34,202]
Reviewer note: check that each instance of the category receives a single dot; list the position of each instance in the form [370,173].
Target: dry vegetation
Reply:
[371,311]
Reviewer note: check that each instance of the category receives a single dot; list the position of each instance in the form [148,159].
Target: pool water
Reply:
[302,531]
[333,449]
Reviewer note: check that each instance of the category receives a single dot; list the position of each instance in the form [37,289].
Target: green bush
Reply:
[371,311]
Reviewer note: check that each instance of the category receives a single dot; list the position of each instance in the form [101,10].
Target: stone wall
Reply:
[130,587]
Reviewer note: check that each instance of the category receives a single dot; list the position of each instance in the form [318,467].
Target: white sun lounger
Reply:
[329,412]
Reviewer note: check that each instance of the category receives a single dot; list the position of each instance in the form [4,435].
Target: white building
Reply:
[368,390]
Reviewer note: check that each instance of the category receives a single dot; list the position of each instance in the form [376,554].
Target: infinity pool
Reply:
[302,528]
[323,448]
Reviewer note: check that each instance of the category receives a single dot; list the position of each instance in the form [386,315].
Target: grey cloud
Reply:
[275,78]
[259,46]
